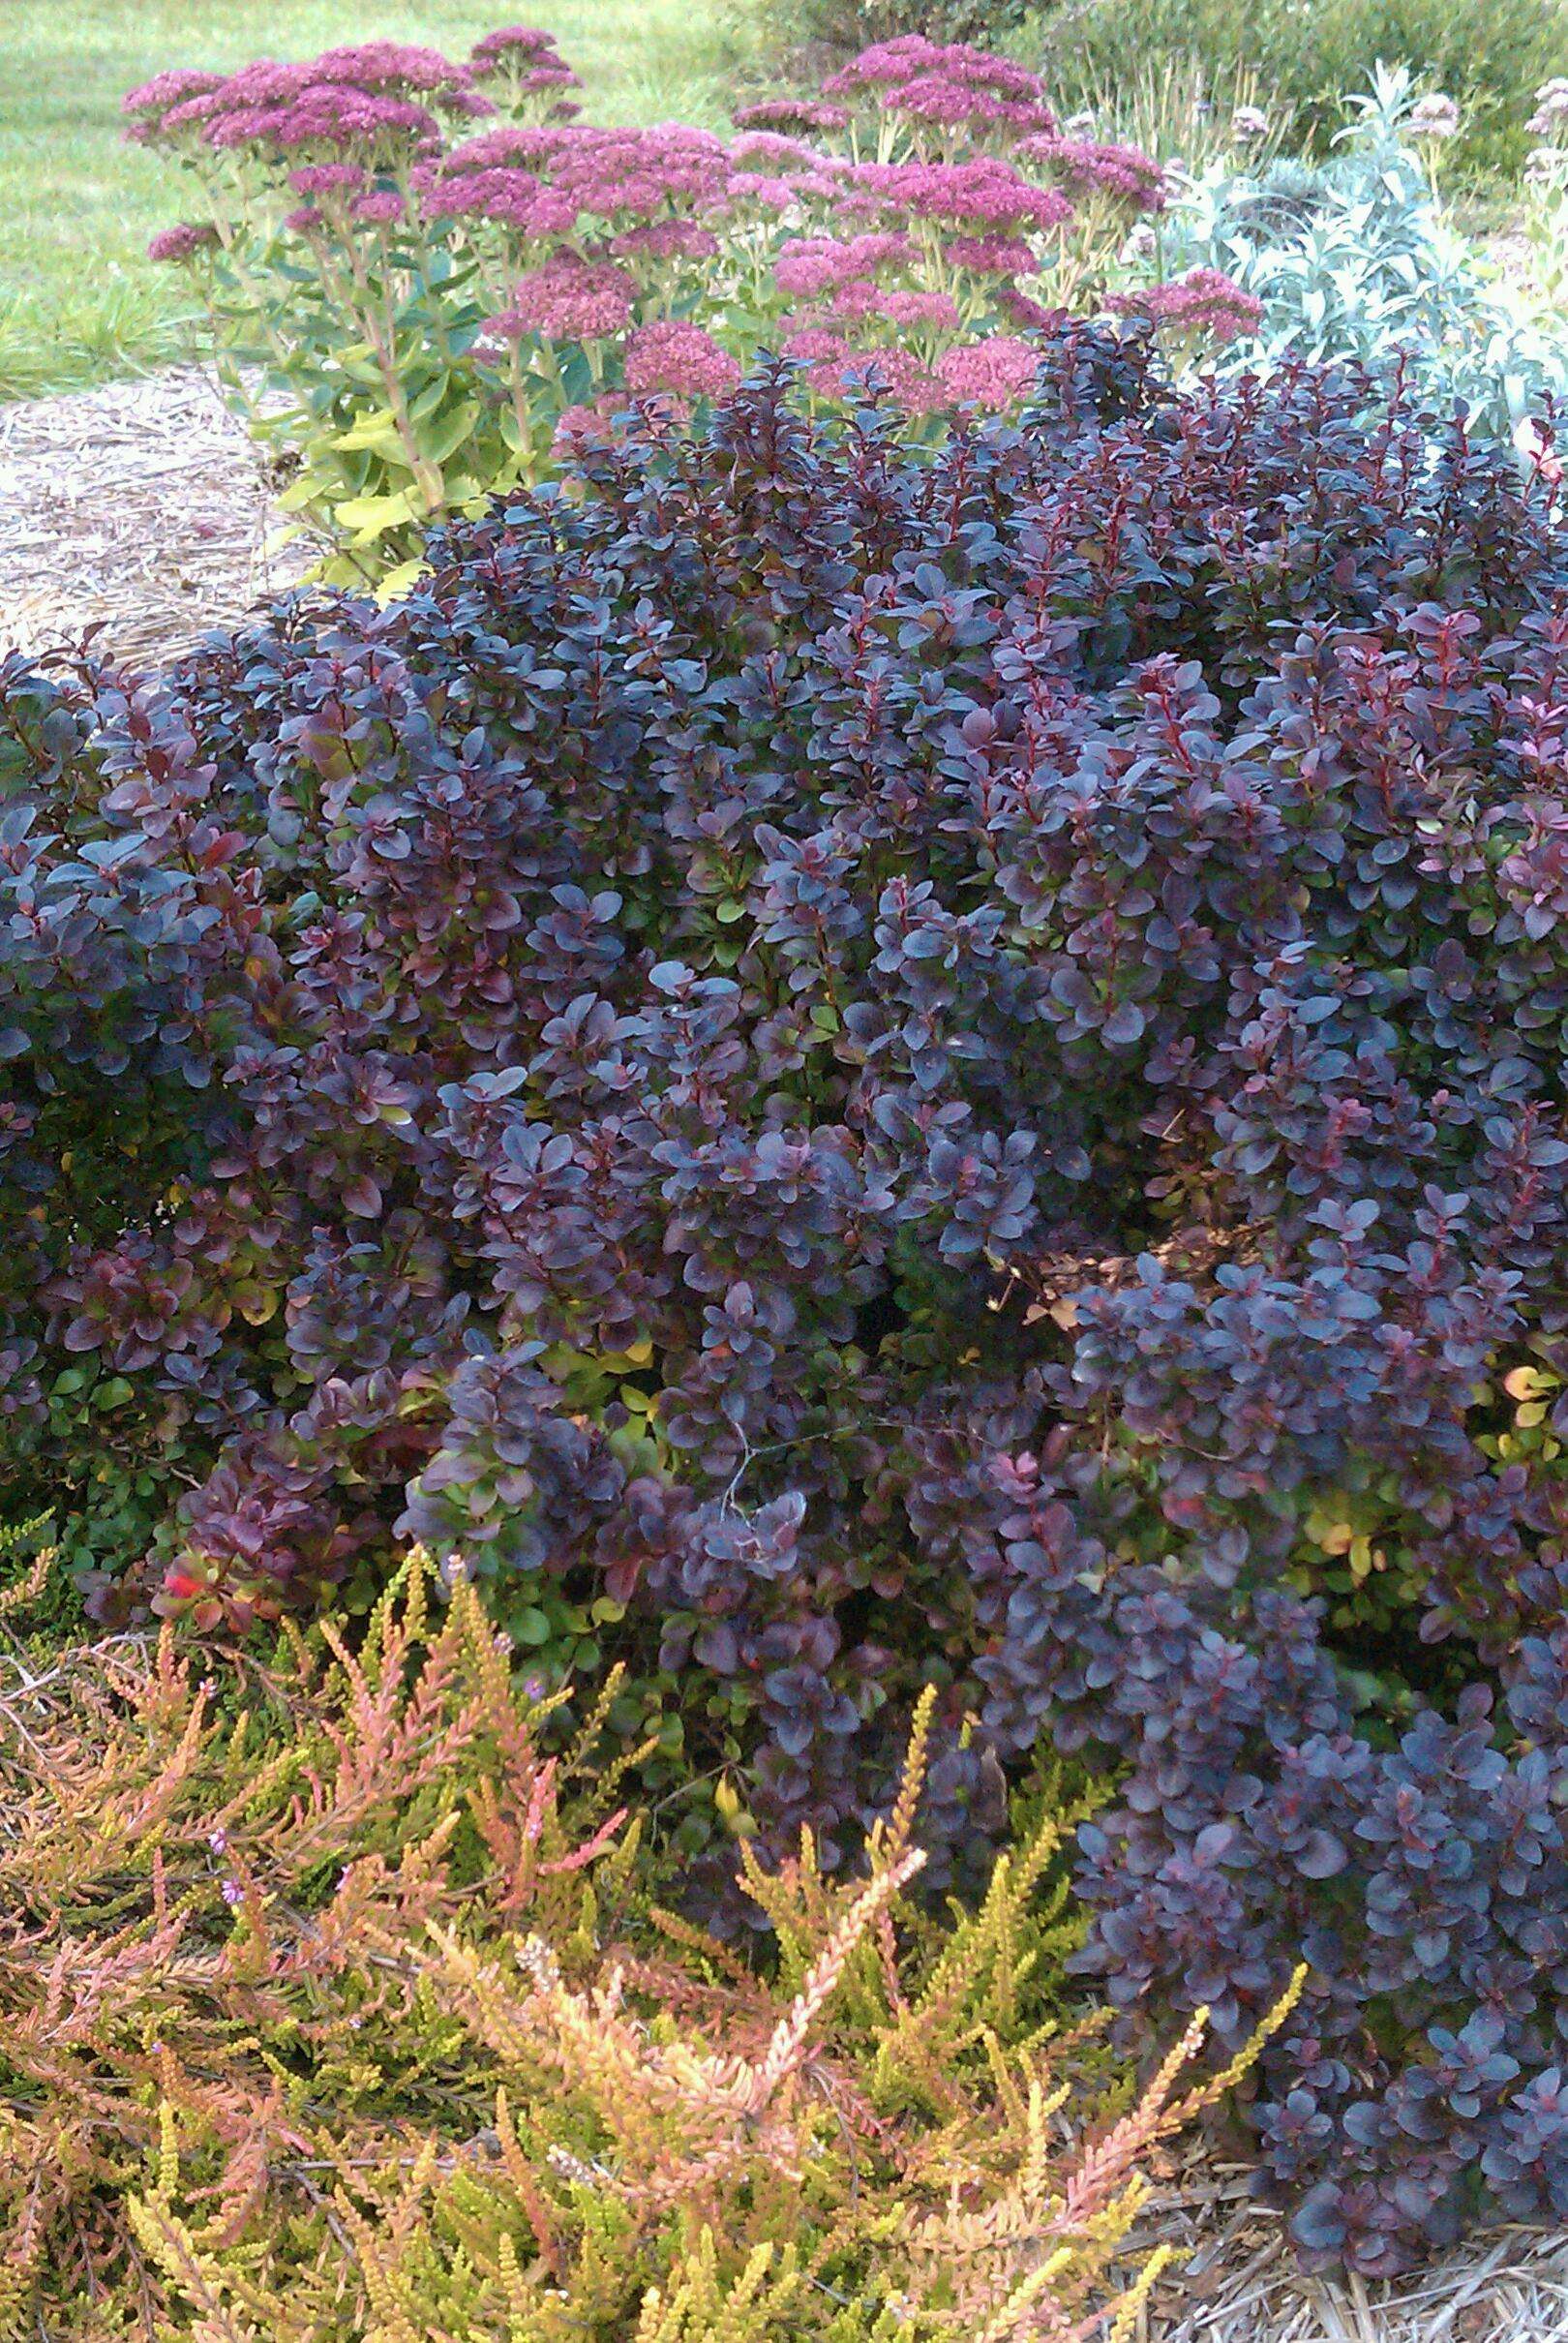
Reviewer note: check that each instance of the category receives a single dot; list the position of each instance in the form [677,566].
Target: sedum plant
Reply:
[789,27]
[335,2010]
[440,279]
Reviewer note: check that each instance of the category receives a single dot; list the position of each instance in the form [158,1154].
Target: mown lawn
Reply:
[79,302]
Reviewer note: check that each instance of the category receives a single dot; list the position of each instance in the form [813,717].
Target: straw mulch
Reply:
[1240,2282]
[142,512]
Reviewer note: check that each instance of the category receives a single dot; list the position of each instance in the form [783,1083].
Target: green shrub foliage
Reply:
[1487,55]
[841,1069]
[1355,259]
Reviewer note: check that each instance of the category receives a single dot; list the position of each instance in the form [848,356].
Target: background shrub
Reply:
[335,2007]
[1355,259]
[795,26]
[1488,55]
[845,1069]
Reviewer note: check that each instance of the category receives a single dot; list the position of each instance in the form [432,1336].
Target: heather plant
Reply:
[337,2004]
[428,314]
[839,1068]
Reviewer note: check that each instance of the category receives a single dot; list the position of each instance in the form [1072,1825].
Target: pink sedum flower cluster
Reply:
[671,355]
[155,99]
[962,94]
[568,300]
[814,264]
[327,178]
[184,241]
[380,209]
[667,240]
[379,99]
[329,118]
[994,374]
[1082,168]
[795,117]
[1205,301]
[389,65]
[888,67]
[510,42]
[987,193]
[544,270]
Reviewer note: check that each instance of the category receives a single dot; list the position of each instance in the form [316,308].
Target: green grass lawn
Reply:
[79,302]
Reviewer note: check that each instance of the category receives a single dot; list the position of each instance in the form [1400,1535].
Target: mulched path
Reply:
[142,511]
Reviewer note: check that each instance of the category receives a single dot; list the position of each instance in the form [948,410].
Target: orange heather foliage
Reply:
[334,2009]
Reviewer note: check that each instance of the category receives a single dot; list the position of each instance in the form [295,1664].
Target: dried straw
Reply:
[142,509]
[1241,2282]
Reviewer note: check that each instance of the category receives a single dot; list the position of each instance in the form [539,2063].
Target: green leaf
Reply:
[400,580]
[431,397]
[371,517]
[378,431]
[449,435]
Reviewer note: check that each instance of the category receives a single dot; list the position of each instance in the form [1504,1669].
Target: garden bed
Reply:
[841,1150]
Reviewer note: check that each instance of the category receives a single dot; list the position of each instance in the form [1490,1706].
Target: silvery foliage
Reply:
[1353,259]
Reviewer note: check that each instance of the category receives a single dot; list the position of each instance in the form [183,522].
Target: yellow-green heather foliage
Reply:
[336,2007]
